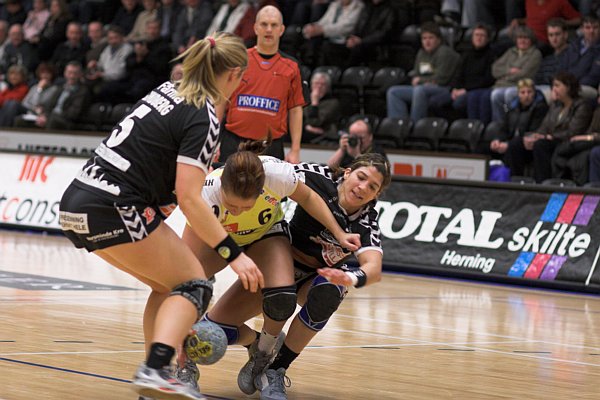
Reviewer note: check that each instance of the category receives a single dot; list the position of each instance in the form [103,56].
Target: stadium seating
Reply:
[426,133]
[463,136]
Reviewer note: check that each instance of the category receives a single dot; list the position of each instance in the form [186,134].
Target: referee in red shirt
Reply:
[270,97]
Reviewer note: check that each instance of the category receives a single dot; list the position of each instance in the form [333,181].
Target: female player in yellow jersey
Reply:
[246,195]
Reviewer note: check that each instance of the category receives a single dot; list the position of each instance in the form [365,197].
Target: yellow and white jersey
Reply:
[280,181]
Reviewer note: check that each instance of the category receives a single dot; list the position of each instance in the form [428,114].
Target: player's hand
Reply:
[248,272]
[350,241]
[293,156]
[335,276]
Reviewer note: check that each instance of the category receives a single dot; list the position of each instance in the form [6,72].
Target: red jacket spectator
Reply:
[17,87]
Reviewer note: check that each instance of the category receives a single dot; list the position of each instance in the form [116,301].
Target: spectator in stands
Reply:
[168,12]
[558,38]
[549,66]
[525,115]
[3,41]
[192,24]
[36,19]
[149,12]
[539,12]
[335,26]
[67,105]
[475,72]
[358,141]
[111,66]
[14,13]
[571,158]
[518,62]
[577,58]
[37,97]
[580,56]
[16,85]
[54,31]
[126,15]
[147,67]
[18,51]
[73,49]
[434,67]
[568,115]
[322,114]
[228,17]
[372,30]
[96,41]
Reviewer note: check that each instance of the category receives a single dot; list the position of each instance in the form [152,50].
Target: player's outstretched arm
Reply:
[317,208]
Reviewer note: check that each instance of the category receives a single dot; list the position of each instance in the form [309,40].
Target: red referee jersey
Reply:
[270,87]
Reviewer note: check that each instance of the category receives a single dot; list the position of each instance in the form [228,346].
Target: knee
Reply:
[198,292]
[323,299]
[279,303]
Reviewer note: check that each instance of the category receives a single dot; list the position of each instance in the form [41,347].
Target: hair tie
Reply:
[211,41]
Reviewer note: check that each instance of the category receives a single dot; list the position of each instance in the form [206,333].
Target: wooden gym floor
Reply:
[70,328]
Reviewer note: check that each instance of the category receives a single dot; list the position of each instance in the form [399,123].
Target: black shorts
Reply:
[96,222]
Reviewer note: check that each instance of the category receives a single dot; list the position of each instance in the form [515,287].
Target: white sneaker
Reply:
[160,383]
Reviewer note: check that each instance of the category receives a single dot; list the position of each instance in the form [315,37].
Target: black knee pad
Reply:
[279,303]
[323,299]
[198,292]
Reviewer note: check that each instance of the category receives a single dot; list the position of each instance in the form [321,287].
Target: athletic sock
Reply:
[160,355]
[266,341]
[284,358]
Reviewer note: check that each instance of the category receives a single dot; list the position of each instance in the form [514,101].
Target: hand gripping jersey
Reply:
[312,238]
[280,181]
[269,89]
[139,159]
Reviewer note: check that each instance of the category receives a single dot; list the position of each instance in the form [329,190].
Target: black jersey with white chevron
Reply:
[312,238]
[139,159]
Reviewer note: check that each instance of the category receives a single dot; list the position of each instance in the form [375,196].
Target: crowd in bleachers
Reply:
[500,78]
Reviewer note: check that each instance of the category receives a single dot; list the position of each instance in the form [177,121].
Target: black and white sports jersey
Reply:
[139,158]
[312,238]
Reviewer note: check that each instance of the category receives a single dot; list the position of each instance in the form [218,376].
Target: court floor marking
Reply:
[503,352]
[92,375]
[432,327]
[240,348]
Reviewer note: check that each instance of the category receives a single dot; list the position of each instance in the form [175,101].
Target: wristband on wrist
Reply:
[228,249]
[358,276]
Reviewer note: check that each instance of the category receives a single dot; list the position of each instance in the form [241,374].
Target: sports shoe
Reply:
[146,398]
[272,384]
[256,364]
[150,382]
[189,375]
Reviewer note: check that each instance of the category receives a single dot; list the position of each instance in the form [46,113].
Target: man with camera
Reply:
[358,140]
